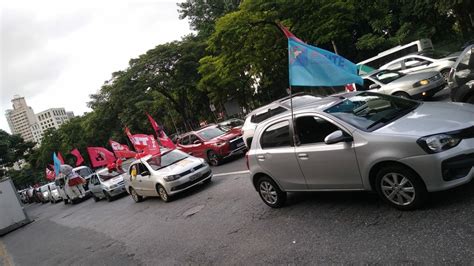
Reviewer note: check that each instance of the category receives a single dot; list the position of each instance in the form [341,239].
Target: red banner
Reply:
[100,156]
[160,134]
[60,157]
[77,154]
[50,175]
[121,150]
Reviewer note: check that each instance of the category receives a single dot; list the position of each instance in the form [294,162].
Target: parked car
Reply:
[419,63]
[65,190]
[399,148]
[461,77]
[54,195]
[107,184]
[30,194]
[86,173]
[415,86]
[212,143]
[23,196]
[265,112]
[164,176]
[44,193]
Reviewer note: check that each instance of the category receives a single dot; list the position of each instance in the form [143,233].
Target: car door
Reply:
[183,144]
[276,155]
[147,186]
[197,146]
[94,185]
[325,166]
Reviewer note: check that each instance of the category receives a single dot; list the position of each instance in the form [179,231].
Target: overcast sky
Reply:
[56,53]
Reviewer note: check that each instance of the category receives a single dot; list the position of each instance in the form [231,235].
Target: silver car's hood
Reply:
[432,118]
[113,181]
[414,77]
[180,166]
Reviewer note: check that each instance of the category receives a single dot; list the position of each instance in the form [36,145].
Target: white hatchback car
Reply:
[165,175]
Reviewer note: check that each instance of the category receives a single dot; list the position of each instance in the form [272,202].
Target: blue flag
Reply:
[57,164]
[312,66]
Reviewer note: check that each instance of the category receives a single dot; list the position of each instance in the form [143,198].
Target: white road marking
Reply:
[7,260]
[233,173]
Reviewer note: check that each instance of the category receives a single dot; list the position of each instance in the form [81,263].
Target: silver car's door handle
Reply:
[261,157]
[303,156]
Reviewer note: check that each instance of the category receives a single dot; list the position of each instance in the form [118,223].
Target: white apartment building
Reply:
[22,120]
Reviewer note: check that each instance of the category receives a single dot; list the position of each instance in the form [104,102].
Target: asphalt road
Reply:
[226,223]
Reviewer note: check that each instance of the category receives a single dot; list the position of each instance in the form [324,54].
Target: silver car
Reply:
[164,176]
[414,86]
[54,195]
[365,141]
[419,63]
[107,184]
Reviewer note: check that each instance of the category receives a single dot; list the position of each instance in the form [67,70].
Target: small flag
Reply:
[50,175]
[57,164]
[160,134]
[60,157]
[77,154]
[121,150]
[100,156]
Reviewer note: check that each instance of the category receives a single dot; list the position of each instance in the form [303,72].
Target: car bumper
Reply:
[188,181]
[429,91]
[447,169]
[117,191]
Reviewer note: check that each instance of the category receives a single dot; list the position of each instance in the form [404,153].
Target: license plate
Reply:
[193,177]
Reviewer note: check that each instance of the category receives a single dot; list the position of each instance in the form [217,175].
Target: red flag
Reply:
[50,175]
[288,33]
[161,135]
[79,159]
[121,151]
[100,156]
[60,157]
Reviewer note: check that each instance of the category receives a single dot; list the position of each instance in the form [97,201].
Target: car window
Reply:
[142,168]
[192,138]
[166,159]
[415,62]
[395,66]
[369,111]
[210,133]
[257,118]
[387,76]
[108,175]
[277,135]
[84,172]
[466,62]
[312,129]
[184,140]
[367,83]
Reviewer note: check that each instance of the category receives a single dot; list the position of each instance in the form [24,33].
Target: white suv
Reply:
[270,110]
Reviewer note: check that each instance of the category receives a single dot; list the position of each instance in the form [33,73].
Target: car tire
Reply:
[270,193]
[137,198]
[162,193]
[96,199]
[402,94]
[401,187]
[213,158]
[107,196]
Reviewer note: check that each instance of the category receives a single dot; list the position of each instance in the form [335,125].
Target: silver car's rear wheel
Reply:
[398,189]
[401,187]
[270,193]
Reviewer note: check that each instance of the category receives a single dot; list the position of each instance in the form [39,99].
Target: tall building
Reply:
[23,121]
[20,118]
[70,114]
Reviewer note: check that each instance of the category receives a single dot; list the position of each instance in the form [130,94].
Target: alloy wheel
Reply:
[398,189]
[268,192]
[213,158]
[163,194]
[134,195]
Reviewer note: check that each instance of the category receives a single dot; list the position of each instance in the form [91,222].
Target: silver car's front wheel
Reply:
[163,194]
[270,193]
[401,187]
[398,189]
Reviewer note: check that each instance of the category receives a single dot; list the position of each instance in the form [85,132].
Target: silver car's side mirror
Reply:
[337,136]
[374,86]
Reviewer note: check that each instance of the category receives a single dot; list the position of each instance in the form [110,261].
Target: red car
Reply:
[212,143]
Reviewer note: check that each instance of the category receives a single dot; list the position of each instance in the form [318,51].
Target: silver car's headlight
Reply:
[422,82]
[171,178]
[113,186]
[438,143]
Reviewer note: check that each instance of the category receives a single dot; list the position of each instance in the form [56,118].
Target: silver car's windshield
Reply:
[212,132]
[387,76]
[166,159]
[108,175]
[369,111]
